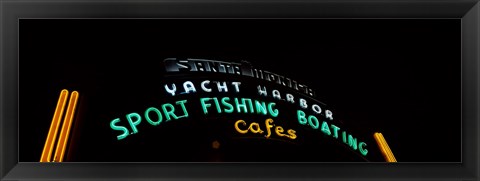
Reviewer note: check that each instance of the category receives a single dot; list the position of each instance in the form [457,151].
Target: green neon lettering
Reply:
[215,100]
[184,109]
[362,150]
[352,142]
[312,124]
[133,124]
[249,103]
[273,112]
[325,128]
[243,105]
[261,107]
[226,104]
[205,105]
[301,117]
[335,130]
[119,128]
[147,116]
[170,112]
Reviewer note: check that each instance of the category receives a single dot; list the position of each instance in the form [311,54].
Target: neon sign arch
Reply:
[242,98]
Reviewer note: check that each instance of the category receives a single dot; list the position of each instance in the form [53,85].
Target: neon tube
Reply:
[67,124]
[52,133]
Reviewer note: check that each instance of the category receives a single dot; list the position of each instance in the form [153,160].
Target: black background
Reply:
[398,77]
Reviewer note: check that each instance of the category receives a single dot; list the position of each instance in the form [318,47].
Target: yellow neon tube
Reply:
[380,145]
[389,151]
[389,157]
[52,133]
[67,124]
[384,148]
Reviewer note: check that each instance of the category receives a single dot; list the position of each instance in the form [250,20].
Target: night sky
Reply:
[400,77]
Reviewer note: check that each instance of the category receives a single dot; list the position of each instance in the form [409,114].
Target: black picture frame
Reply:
[12,11]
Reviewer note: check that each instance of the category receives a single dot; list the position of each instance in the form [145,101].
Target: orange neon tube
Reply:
[384,148]
[381,147]
[52,133]
[67,124]
[389,151]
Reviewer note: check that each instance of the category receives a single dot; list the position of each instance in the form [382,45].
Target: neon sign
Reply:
[325,128]
[245,105]
[310,114]
[202,65]
[134,119]
[291,99]
[189,87]
[256,128]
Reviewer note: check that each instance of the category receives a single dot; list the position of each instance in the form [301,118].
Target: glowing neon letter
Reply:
[170,112]
[314,124]
[147,117]
[261,107]
[269,127]
[335,130]
[205,105]
[238,129]
[199,66]
[256,129]
[262,91]
[226,104]
[362,150]
[132,123]
[243,105]
[279,130]
[301,117]
[316,108]
[249,103]
[352,142]
[171,91]
[119,128]
[329,114]
[276,94]
[237,86]
[303,103]
[273,112]
[222,87]
[290,98]
[217,104]
[204,88]
[184,109]
[325,128]
[292,134]
[189,87]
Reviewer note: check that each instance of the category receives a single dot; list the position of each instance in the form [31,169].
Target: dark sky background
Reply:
[400,77]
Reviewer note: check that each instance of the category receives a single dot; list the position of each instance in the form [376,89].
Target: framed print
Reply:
[219,89]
